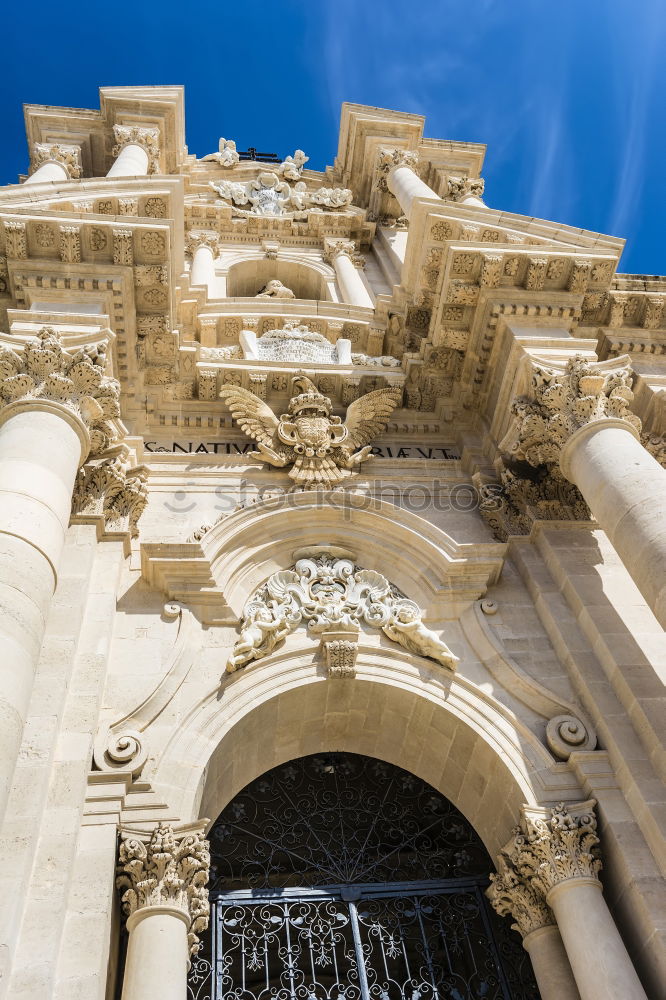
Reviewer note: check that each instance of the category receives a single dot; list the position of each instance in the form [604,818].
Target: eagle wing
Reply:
[251,413]
[368,415]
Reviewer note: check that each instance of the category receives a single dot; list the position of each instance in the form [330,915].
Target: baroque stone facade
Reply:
[294,462]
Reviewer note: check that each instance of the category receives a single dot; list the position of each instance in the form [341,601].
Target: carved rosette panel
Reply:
[45,371]
[136,135]
[563,402]
[67,156]
[324,592]
[169,869]
[513,896]
[556,845]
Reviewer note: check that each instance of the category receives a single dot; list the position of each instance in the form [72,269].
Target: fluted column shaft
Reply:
[579,417]
[157,954]
[164,874]
[550,964]
[351,283]
[41,447]
[57,404]
[625,488]
[597,954]
[132,161]
[203,267]
[406,185]
[50,171]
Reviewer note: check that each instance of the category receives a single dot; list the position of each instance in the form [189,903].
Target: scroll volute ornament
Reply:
[45,371]
[169,868]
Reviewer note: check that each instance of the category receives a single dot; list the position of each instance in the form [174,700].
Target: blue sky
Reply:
[570,97]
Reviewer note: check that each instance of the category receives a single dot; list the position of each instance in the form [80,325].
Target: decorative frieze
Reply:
[16,244]
[70,244]
[137,135]
[326,590]
[66,155]
[170,869]
[44,370]
[123,248]
[562,402]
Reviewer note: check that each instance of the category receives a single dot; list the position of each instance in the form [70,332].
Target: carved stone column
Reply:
[513,896]
[397,175]
[55,410]
[54,162]
[556,851]
[347,261]
[163,878]
[581,419]
[204,247]
[137,151]
[466,190]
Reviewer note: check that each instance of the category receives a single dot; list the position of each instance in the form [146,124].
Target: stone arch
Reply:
[307,278]
[444,729]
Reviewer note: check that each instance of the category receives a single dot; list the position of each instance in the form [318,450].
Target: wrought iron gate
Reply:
[283,929]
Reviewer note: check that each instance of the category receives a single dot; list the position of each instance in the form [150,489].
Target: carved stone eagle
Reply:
[318,446]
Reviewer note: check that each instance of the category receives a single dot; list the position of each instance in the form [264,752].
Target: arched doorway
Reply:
[340,877]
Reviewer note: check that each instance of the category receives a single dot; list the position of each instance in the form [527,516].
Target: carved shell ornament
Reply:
[320,449]
[325,592]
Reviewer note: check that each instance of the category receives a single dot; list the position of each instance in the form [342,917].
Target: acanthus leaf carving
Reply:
[66,155]
[389,159]
[111,489]
[170,868]
[44,370]
[459,188]
[563,402]
[328,592]
[557,844]
[512,895]
[136,135]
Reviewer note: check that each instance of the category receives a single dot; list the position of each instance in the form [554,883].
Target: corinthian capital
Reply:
[45,371]
[562,402]
[512,895]
[346,248]
[113,491]
[465,187]
[57,152]
[167,868]
[137,135]
[202,238]
[389,159]
[555,845]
